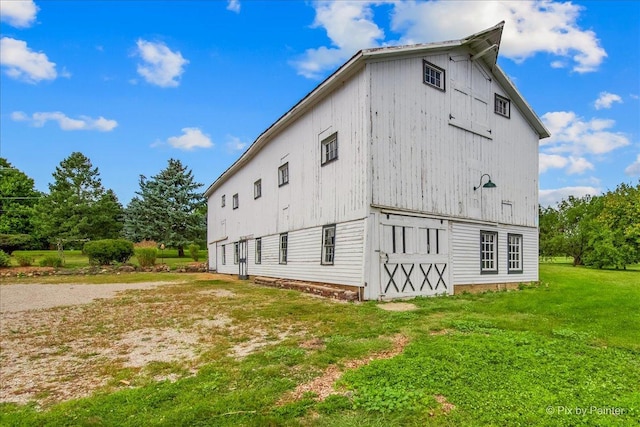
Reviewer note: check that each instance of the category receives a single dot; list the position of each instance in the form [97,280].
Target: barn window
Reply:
[433,75]
[224,254]
[328,244]
[502,106]
[235,201]
[283,174]
[488,252]
[224,200]
[236,252]
[257,189]
[259,250]
[329,149]
[515,253]
[284,246]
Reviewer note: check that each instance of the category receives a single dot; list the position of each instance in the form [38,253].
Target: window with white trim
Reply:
[488,252]
[236,252]
[329,148]
[224,200]
[502,106]
[257,189]
[284,247]
[328,244]
[433,75]
[224,254]
[259,250]
[235,201]
[283,174]
[514,253]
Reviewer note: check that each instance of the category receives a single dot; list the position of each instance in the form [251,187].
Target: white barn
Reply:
[409,171]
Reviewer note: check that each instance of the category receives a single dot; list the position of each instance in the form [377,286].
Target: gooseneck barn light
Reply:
[488,184]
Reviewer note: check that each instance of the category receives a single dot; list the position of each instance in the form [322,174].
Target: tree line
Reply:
[597,231]
[167,208]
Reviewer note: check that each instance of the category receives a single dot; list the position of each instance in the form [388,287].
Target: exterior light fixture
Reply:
[488,184]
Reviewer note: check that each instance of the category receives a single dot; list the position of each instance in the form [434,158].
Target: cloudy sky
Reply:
[133,83]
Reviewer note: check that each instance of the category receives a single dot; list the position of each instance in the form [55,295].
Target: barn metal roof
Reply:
[483,45]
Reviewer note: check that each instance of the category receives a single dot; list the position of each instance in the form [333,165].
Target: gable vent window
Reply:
[433,75]
[257,189]
[235,201]
[502,106]
[329,149]
[283,175]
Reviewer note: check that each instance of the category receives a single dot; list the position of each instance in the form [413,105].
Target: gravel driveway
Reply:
[33,296]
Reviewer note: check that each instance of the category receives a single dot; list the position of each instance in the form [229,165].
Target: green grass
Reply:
[525,358]
[76,259]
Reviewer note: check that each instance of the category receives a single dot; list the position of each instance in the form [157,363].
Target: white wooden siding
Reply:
[305,255]
[425,161]
[466,254]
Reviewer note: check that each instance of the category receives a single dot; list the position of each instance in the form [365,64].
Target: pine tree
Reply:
[18,197]
[77,207]
[167,209]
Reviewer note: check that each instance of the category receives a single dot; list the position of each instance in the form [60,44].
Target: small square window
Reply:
[329,149]
[283,175]
[257,189]
[488,252]
[259,250]
[514,253]
[284,246]
[328,244]
[235,201]
[433,75]
[502,106]
[224,200]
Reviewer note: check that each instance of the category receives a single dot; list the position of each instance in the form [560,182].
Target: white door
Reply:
[414,257]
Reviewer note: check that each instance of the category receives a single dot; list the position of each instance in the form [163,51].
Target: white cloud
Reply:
[349,26]
[235,144]
[551,161]
[39,119]
[634,168]
[234,6]
[606,99]
[553,197]
[22,63]
[578,165]
[190,139]
[18,13]
[573,134]
[160,66]
[530,27]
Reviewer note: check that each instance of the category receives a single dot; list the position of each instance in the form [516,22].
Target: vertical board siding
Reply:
[304,256]
[466,254]
[423,161]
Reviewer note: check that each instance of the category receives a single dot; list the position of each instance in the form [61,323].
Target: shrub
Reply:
[24,260]
[51,261]
[106,251]
[15,242]
[146,256]
[193,251]
[5,260]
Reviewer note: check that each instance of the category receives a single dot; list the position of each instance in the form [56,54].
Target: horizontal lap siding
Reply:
[466,254]
[304,256]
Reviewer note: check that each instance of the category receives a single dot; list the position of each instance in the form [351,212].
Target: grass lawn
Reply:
[564,353]
[76,259]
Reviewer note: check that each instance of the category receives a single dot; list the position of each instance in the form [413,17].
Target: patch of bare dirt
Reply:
[398,306]
[322,386]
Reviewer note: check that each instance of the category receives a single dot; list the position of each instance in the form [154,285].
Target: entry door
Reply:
[414,257]
[243,250]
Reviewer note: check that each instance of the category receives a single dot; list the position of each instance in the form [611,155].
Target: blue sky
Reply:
[133,83]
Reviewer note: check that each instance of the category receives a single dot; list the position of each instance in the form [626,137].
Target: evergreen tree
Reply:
[18,197]
[77,207]
[167,209]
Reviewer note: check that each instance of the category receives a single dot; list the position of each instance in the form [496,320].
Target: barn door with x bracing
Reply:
[414,257]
